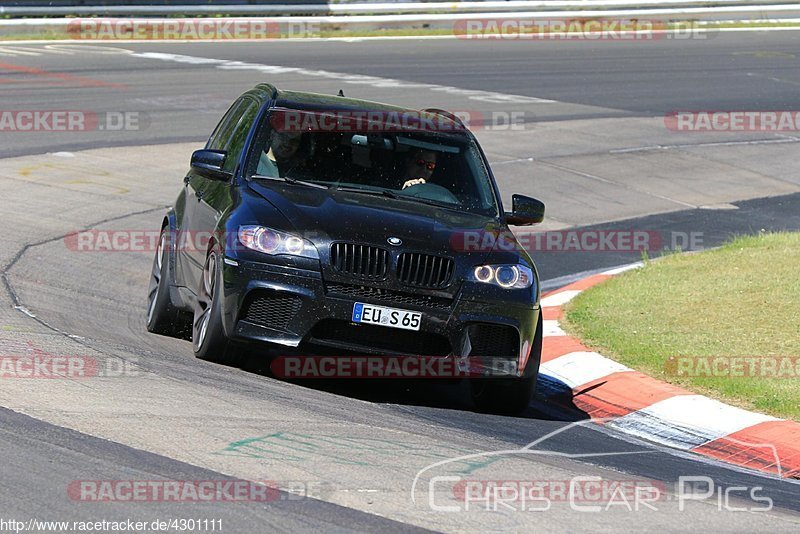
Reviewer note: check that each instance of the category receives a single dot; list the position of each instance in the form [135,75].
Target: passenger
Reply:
[281,154]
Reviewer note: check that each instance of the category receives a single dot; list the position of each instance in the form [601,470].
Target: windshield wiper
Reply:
[430,202]
[290,180]
[394,196]
[375,192]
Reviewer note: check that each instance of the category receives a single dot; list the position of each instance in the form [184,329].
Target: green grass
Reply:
[742,299]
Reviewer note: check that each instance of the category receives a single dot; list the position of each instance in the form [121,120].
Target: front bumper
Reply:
[297,308]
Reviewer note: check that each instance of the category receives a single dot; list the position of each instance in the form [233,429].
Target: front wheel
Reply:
[208,337]
[504,396]
[510,396]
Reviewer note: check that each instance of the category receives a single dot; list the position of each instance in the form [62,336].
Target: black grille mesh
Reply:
[494,341]
[362,261]
[390,297]
[271,310]
[424,270]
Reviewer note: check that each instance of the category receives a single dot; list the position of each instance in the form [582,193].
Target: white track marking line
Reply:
[783,139]
[357,79]
[14,51]
[772,78]
[552,329]
[64,49]
[75,48]
[618,270]
[559,299]
[687,421]
[578,368]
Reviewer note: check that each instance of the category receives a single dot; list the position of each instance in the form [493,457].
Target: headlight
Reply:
[274,242]
[505,276]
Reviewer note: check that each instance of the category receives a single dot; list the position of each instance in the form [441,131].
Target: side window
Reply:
[219,139]
[238,135]
[263,133]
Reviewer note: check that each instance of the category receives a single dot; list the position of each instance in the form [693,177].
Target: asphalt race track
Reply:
[590,141]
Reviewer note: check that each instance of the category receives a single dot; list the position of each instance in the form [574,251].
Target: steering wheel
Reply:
[431,192]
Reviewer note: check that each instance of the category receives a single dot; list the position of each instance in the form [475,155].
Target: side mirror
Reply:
[208,163]
[525,211]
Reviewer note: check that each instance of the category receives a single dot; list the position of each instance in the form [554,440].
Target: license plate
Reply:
[391,317]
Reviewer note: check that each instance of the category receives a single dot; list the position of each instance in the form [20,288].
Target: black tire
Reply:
[162,316]
[209,341]
[502,396]
[509,396]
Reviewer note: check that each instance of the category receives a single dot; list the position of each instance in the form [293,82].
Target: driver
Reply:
[418,167]
[279,154]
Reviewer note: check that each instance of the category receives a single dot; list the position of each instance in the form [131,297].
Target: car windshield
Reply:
[433,167]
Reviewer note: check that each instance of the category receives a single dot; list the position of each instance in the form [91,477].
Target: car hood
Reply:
[324,216]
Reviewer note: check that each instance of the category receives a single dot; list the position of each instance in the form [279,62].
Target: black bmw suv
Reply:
[321,222]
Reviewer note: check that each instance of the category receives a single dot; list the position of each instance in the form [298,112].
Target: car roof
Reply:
[306,101]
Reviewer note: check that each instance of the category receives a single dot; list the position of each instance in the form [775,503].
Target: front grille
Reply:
[424,270]
[389,296]
[270,309]
[362,261]
[377,339]
[494,341]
